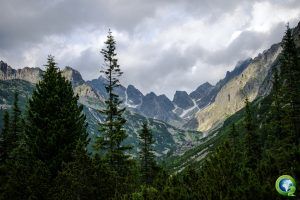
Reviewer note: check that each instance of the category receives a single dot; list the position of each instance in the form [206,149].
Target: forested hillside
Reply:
[44,150]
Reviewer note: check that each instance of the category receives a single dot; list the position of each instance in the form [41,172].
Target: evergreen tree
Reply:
[16,128]
[25,176]
[290,73]
[77,180]
[251,140]
[54,123]
[11,130]
[146,153]
[112,129]
[4,138]
[276,107]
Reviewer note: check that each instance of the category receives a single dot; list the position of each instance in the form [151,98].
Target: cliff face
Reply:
[32,75]
[252,81]
[232,95]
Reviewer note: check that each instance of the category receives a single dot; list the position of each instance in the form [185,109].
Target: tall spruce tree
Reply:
[16,128]
[290,73]
[251,140]
[55,123]
[147,157]
[4,138]
[11,131]
[112,129]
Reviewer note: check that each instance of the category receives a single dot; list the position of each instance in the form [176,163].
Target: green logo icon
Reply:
[286,185]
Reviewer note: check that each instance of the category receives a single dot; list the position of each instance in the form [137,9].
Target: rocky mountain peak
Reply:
[182,100]
[134,96]
[32,75]
[72,75]
[201,91]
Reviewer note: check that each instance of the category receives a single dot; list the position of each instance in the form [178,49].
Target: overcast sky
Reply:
[162,45]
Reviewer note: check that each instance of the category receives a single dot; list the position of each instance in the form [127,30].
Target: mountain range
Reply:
[178,124]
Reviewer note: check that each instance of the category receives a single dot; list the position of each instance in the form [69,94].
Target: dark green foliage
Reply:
[5,140]
[55,132]
[25,177]
[77,180]
[49,159]
[11,131]
[246,164]
[112,129]
[290,73]
[16,128]
[54,122]
[147,157]
[251,143]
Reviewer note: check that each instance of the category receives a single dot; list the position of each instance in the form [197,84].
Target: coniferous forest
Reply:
[44,151]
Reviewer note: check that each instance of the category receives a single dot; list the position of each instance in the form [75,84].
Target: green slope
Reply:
[169,139]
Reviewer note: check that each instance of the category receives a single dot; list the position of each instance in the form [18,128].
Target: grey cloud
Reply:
[30,21]
[247,43]
[26,24]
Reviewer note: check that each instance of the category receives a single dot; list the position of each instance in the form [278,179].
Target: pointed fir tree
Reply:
[11,131]
[55,123]
[77,180]
[25,176]
[110,142]
[147,157]
[4,138]
[251,141]
[16,122]
[290,73]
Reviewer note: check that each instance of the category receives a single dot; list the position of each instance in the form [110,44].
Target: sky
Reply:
[162,45]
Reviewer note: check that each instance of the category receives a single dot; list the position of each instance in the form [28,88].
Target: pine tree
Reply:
[276,107]
[251,141]
[25,176]
[16,118]
[11,131]
[290,73]
[147,157]
[112,129]
[233,134]
[54,123]
[4,141]
[77,179]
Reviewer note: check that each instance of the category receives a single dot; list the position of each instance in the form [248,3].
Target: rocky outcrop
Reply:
[182,100]
[251,78]
[134,96]
[158,107]
[73,76]
[232,94]
[32,75]
[203,94]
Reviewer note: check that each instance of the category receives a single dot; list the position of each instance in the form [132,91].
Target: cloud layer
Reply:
[162,45]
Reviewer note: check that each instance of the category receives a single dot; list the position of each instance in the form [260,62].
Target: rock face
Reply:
[182,100]
[32,75]
[73,76]
[150,105]
[250,78]
[231,96]
[203,94]
[158,107]
[134,96]
[99,86]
